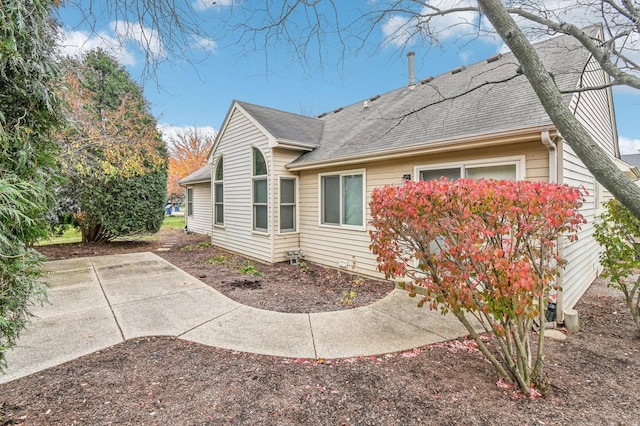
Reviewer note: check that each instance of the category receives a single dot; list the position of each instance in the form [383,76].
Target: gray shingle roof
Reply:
[286,125]
[441,110]
[632,159]
[200,175]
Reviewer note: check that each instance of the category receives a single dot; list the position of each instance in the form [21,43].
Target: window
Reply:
[218,194]
[502,168]
[287,205]
[189,201]
[260,194]
[598,198]
[342,199]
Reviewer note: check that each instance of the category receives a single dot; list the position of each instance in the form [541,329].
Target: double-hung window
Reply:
[260,194]
[218,193]
[342,199]
[287,204]
[189,201]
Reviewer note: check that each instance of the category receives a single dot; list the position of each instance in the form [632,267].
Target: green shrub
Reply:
[618,233]
[250,270]
[29,113]
[217,260]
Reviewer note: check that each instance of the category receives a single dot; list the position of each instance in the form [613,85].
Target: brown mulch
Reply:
[593,375]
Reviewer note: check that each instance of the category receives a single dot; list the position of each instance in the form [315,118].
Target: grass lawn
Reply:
[72,235]
[173,222]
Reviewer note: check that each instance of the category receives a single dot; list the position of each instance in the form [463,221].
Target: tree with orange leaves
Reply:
[188,150]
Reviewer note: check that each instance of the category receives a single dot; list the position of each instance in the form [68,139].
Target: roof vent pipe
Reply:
[410,56]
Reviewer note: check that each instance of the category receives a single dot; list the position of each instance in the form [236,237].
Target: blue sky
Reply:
[199,94]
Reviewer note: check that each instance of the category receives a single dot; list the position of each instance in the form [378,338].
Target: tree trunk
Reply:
[96,234]
[591,154]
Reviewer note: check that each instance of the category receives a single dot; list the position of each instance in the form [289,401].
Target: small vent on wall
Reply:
[458,70]
[337,110]
[373,98]
[322,115]
[426,80]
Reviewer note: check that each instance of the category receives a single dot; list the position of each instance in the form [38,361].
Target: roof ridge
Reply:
[459,68]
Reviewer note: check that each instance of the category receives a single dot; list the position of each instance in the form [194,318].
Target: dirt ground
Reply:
[593,374]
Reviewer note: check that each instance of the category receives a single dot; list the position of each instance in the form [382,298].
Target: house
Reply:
[281,180]
[198,200]
[632,162]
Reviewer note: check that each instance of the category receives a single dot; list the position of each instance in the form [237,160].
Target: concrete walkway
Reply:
[101,301]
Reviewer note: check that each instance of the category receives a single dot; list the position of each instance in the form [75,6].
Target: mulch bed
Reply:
[593,375]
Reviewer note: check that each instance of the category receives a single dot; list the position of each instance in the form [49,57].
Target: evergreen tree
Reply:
[29,113]
[112,154]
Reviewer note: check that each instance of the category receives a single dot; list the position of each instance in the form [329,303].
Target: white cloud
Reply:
[170,132]
[76,43]
[206,44]
[146,38]
[580,15]
[398,30]
[466,56]
[628,145]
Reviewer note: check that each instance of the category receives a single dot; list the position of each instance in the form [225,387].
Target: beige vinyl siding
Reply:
[593,110]
[235,145]
[329,245]
[282,241]
[200,221]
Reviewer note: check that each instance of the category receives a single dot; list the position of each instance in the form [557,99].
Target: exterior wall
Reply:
[237,234]
[200,221]
[328,245]
[282,241]
[593,110]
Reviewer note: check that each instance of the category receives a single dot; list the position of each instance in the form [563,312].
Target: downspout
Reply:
[553,156]
[553,178]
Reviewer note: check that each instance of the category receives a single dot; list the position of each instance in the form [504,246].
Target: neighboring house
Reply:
[198,201]
[285,181]
[630,165]
[632,160]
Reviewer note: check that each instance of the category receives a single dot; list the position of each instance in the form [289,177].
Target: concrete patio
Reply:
[97,302]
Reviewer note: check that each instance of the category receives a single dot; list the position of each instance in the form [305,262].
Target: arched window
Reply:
[218,193]
[260,194]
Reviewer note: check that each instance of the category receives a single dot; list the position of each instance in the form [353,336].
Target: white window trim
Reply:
[296,208]
[342,173]
[218,225]
[253,179]
[598,198]
[518,160]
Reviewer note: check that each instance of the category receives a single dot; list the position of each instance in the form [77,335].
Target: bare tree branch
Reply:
[591,154]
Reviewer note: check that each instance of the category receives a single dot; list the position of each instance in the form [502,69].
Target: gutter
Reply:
[285,143]
[475,141]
